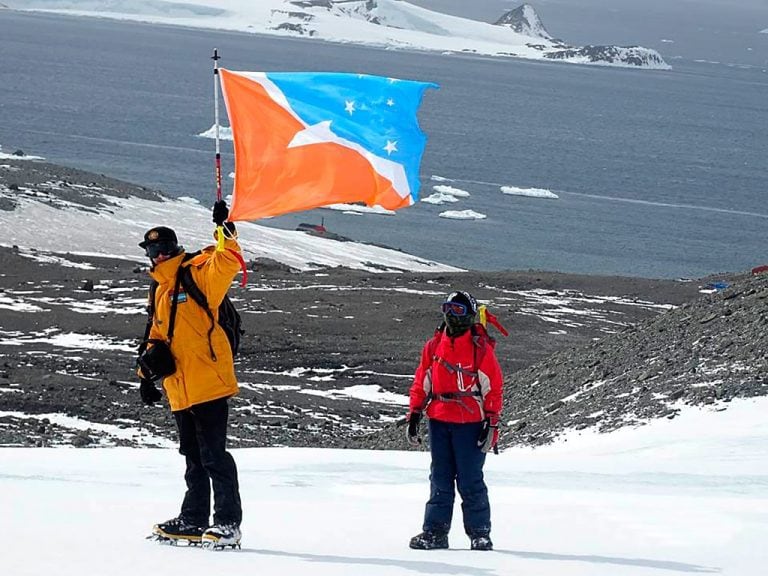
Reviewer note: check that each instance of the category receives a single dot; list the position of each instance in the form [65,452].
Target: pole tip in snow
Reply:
[215,54]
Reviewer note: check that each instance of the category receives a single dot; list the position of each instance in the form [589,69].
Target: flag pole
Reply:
[215,58]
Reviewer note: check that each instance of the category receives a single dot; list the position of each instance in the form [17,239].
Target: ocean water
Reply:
[658,173]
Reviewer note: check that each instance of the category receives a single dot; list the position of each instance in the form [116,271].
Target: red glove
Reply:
[489,435]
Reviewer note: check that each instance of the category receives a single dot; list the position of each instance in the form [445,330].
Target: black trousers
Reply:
[203,441]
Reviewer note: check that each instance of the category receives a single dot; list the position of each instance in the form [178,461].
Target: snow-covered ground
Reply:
[682,496]
[120,226]
[393,24]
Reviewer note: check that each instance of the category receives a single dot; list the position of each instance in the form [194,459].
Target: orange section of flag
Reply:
[272,179]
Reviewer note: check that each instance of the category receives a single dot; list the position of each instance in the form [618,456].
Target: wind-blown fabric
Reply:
[309,139]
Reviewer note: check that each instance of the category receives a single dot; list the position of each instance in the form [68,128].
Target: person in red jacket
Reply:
[459,385]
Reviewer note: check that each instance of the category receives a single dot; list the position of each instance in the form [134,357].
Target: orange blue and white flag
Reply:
[309,139]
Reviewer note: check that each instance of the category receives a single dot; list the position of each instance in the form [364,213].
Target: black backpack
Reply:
[229,317]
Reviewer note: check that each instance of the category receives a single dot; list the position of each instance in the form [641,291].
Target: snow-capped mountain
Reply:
[525,21]
[393,24]
[524,34]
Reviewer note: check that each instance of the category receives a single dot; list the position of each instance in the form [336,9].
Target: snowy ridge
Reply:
[66,211]
[383,23]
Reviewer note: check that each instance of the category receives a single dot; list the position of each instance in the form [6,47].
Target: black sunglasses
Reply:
[156,248]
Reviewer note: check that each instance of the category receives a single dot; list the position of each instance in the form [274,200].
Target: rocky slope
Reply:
[329,353]
[708,350]
[631,55]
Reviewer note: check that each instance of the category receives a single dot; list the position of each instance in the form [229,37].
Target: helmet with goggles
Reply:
[459,311]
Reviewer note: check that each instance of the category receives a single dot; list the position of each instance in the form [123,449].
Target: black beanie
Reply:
[159,234]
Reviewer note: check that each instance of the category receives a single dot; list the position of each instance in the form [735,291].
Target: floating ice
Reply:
[530,192]
[462,215]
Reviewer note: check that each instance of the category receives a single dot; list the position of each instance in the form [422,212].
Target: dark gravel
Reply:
[583,350]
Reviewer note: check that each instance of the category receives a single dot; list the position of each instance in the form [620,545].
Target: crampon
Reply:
[221,536]
[175,540]
[177,530]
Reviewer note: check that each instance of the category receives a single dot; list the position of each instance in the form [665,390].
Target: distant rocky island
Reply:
[530,39]
[524,20]
[387,24]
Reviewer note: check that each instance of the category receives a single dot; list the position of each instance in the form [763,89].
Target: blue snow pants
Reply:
[457,462]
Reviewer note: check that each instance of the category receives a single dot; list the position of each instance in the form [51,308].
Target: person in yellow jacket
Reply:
[198,356]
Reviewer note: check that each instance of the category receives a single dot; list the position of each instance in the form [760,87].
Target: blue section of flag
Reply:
[375,112]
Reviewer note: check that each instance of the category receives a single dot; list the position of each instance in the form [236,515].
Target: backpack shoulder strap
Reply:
[174,303]
[435,340]
[482,340]
[193,291]
[150,315]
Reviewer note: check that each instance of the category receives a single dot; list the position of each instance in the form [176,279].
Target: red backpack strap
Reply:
[435,340]
[482,340]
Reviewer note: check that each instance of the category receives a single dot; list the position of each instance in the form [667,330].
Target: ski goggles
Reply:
[455,308]
[156,248]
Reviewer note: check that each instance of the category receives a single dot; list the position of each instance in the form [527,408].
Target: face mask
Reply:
[458,324]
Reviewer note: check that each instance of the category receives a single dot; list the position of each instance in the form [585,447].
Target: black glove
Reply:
[149,392]
[220,212]
[489,434]
[412,431]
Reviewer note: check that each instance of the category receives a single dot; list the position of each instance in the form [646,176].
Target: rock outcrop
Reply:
[710,350]
[524,20]
[627,55]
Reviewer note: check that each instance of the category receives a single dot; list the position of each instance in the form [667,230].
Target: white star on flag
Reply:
[390,102]
[390,147]
[349,106]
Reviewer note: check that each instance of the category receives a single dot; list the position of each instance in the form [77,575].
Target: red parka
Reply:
[458,379]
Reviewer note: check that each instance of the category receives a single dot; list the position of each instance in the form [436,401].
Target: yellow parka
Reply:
[199,377]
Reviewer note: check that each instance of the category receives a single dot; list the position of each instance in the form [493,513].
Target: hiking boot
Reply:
[178,529]
[222,535]
[482,542]
[429,540]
